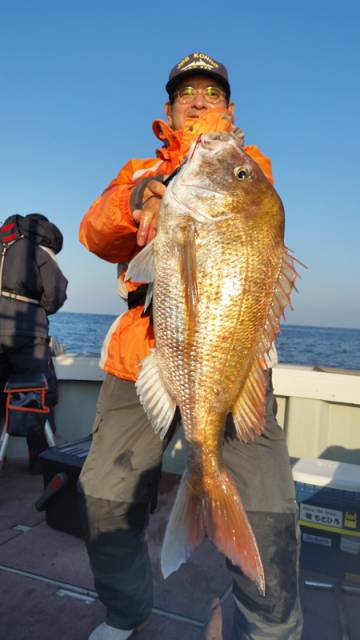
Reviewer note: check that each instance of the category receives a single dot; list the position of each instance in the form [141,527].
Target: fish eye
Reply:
[240,173]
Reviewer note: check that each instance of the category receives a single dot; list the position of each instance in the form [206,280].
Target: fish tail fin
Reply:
[185,528]
[219,514]
[228,527]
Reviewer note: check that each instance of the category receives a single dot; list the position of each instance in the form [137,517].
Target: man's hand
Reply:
[147,216]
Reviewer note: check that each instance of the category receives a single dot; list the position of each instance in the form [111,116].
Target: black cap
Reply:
[198,63]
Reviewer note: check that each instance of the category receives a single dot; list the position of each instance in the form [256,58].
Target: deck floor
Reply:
[47,589]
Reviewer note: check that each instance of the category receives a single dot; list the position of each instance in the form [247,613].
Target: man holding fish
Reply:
[198,233]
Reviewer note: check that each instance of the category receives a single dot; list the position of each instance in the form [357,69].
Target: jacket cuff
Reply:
[137,194]
[125,207]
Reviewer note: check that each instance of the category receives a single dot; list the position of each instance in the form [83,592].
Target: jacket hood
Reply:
[38,229]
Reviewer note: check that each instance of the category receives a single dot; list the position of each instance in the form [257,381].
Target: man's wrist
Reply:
[137,194]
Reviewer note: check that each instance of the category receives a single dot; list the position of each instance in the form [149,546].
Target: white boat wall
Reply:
[319,409]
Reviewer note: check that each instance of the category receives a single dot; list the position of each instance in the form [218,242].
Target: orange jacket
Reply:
[109,231]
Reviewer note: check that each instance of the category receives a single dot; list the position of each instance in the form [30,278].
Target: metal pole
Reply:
[49,434]
[3,446]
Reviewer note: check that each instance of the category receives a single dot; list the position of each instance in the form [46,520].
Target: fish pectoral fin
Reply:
[142,268]
[153,395]
[249,409]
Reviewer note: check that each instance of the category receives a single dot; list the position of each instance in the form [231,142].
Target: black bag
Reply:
[25,413]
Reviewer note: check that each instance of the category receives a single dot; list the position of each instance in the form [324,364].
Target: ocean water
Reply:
[84,333]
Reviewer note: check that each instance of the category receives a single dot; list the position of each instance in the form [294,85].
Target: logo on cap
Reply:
[197,61]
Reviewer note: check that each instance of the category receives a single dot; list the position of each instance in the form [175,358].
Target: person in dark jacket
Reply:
[32,286]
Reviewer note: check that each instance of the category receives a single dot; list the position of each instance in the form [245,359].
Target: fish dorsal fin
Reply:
[154,397]
[280,300]
[141,268]
[249,409]
[271,357]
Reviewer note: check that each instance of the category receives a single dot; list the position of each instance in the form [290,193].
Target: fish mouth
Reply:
[194,146]
[212,142]
[215,141]
[193,151]
[181,180]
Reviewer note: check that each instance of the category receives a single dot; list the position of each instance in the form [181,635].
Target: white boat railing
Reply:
[319,410]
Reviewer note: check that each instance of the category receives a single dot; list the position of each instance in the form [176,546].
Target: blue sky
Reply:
[82,81]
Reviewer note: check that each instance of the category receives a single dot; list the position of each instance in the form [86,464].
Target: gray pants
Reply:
[119,483]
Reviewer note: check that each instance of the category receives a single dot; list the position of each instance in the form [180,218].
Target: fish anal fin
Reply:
[158,404]
[249,409]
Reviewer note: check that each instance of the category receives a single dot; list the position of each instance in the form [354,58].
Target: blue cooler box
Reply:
[328,494]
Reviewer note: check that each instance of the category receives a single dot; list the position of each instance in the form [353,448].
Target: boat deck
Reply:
[48,591]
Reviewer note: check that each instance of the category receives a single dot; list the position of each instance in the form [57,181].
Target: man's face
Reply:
[177,112]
